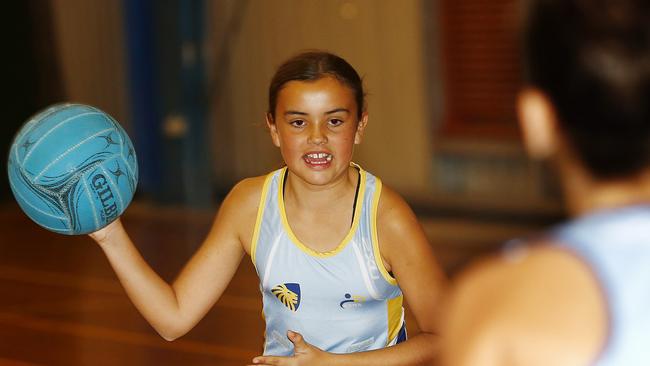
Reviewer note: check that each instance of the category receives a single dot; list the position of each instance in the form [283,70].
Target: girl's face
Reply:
[316,128]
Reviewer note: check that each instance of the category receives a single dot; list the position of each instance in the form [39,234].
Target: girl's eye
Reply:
[335,122]
[298,123]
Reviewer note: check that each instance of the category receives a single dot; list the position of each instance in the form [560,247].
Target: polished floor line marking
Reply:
[9,362]
[121,336]
[77,282]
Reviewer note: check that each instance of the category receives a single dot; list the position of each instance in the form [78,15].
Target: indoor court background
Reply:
[188,81]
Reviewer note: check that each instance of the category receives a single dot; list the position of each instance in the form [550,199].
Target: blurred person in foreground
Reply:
[580,293]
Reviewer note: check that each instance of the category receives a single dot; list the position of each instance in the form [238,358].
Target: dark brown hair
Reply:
[314,65]
[592,59]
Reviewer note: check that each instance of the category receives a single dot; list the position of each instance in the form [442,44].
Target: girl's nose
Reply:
[317,136]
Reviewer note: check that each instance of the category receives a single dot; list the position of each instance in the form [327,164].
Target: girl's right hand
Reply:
[103,235]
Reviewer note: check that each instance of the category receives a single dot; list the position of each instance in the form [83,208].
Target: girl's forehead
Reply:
[323,90]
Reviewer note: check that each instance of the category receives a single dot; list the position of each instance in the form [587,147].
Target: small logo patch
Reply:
[288,294]
[352,301]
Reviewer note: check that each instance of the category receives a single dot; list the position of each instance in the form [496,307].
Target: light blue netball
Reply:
[72,169]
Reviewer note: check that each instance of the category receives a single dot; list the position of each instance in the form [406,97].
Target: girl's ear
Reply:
[361,126]
[273,129]
[538,123]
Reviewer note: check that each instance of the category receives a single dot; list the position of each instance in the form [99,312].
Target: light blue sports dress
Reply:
[341,301]
[615,244]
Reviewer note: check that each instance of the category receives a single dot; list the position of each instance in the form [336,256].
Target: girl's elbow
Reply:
[171,333]
[169,338]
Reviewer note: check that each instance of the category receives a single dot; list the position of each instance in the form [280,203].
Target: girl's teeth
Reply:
[319,158]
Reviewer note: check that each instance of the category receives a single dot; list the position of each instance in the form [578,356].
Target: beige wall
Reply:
[89,39]
[383,39]
[390,42]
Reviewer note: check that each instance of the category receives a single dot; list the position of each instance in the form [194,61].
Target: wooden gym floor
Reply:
[60,303]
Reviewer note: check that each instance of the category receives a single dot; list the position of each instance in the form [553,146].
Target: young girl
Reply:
[336,252]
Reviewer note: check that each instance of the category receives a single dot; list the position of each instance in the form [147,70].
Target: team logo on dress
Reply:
[288,294]
[352,301]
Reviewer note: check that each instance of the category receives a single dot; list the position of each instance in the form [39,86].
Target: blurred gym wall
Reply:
[89,39]
[382,39]
[206,69]
[30,71]
[244,42]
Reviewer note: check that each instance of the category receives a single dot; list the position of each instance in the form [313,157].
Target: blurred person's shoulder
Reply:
[535,304]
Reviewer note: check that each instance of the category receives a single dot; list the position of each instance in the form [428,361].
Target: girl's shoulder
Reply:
[247,192]
[392,207]
[239,209]
[395,219]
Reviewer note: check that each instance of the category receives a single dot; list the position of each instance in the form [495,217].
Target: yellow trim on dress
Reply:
[375,238]
[258,220]
[348,237]
[394,310]
[264,333]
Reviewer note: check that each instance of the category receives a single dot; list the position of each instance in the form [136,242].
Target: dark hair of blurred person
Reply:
[577,295]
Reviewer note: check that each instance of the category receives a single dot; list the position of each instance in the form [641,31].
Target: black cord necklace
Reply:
[356,192]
